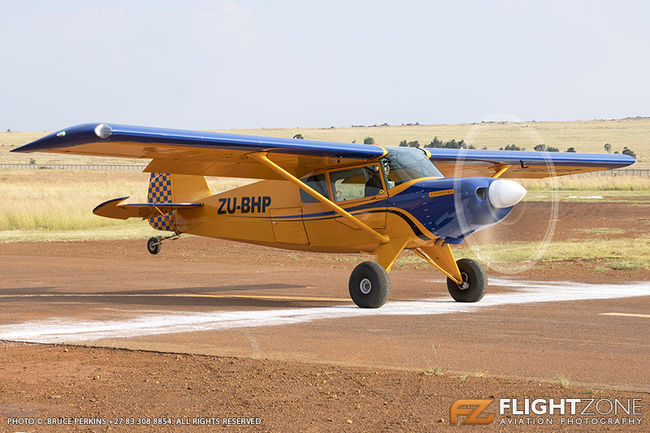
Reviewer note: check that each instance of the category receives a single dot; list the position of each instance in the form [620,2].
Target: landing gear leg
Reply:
[466,278]
[155,243]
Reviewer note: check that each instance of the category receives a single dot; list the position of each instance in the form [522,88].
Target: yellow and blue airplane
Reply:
[325,196]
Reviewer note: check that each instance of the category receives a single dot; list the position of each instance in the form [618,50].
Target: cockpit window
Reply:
[317,183]
[404,164]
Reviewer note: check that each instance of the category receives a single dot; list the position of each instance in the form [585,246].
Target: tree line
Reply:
[460,144]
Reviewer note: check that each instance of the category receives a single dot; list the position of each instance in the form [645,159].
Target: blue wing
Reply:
[202,153]
[521,164]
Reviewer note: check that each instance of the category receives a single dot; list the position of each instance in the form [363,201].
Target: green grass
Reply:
[626,265]
[435,371]
[588,196]
[602,231]
[562,381]
[614,253]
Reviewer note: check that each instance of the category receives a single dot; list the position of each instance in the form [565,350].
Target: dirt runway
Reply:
[287,317]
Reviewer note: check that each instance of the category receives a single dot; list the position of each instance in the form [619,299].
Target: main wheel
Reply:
[369,285]
[474,282]
[153,245]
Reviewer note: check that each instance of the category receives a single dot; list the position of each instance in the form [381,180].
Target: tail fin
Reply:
[174,188]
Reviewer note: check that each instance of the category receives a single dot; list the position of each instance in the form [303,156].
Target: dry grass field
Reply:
[584,136]
[57,204]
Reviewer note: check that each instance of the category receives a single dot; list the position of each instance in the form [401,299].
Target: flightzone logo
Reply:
[471,410]
[549,411]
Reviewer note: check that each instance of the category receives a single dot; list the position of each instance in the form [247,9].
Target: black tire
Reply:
[153,245]
[474,282]
[369,285]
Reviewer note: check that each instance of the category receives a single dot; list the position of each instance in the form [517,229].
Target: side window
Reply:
[318,183]
[356,183]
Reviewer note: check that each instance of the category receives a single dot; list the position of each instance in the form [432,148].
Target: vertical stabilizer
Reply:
[160,191]
[174,188]
[189,189]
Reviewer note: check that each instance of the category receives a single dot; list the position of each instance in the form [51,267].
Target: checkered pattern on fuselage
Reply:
[160,191]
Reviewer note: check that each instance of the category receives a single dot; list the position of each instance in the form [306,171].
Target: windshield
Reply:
[406,164]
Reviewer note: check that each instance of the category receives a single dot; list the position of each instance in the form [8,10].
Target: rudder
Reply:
[174,188]
[160,191]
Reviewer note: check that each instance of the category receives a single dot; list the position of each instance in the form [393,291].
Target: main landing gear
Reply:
[370,285]
[155,243]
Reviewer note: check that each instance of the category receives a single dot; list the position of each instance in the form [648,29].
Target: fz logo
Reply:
[470,409]
[243,204]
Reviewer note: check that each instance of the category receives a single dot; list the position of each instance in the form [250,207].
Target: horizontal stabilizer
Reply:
[113,209]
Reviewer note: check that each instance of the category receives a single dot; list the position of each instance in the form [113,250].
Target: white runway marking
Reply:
[61,330]
[647,316]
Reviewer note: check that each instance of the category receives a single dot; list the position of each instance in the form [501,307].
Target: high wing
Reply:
[521,164]
[234,155]
[202,153]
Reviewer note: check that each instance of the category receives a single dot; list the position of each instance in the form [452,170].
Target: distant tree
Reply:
[571,149]
[368,140]
[403,143]
[629,152]
[540,148]
[436,142]
[511,147]
[414,144]
[552,149]
[471,146]
[354,141]
[8,130]
[608,147]
[299,137]
[32,161]
[484,148]
[616,152]
[451,144]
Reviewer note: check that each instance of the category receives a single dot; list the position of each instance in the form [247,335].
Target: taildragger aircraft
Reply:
[325,196]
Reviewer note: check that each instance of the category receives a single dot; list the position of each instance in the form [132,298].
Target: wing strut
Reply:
[442,258]
[502,169]
[263,158]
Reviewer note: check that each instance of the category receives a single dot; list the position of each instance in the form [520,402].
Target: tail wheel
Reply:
[474,282]
[369,285]
[153,245]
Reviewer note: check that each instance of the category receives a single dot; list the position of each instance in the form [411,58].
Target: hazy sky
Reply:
[245,64]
